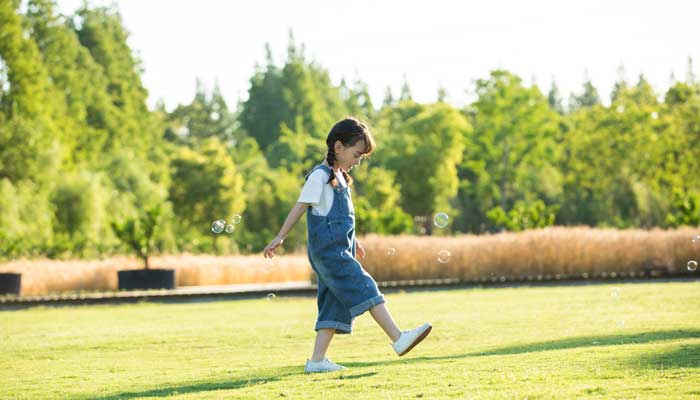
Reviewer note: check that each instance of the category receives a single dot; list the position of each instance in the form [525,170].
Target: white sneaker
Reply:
[409,339]
[324,365]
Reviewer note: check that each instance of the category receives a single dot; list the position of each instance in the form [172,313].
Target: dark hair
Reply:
[349,131]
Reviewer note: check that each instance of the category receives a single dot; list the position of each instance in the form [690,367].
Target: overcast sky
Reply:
[430,43]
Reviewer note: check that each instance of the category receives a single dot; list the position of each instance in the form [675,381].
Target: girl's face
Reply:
[348,157]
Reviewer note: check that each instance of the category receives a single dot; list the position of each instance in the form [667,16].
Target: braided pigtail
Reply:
[330,157]
[348,178]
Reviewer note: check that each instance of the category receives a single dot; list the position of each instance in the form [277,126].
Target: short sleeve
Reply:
[313,188]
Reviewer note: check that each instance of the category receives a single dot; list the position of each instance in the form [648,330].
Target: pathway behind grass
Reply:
[564,342]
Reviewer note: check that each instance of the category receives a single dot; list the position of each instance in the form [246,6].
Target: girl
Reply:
[345,289]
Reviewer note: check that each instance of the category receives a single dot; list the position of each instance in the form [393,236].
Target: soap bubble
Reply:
[692,265]
[443,256]
[236,219]
[441,220]
[230,228]
[615,293]
[271,296]
[391,251]
[218,226]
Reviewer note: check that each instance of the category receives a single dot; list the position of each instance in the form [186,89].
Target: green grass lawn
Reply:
[495,343]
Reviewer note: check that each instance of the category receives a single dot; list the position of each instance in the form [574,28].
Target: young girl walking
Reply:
[345,289]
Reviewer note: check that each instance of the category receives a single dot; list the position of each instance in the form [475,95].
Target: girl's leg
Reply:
[323,339]
[381,314]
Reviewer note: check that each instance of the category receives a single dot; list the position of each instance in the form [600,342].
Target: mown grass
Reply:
[598,341]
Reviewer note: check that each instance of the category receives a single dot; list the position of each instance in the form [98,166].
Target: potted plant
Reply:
[138,234]
[10,282]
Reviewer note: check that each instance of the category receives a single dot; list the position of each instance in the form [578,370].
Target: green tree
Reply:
[524,216]
[554,98]
[209,187]
[424,151]
[138,233]
[30,147]
[299,96]
[206,116]
[588,98]
[376,197]
[513,152]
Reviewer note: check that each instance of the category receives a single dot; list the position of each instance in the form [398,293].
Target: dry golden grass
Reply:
[562,251]
[50,276]
[550,253]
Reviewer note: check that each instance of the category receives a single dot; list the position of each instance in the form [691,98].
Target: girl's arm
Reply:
[296,212]
[360,250]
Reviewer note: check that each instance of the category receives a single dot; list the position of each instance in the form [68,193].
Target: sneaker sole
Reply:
[418,340]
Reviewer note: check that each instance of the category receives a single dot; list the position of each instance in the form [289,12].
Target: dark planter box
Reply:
[10,283]
[146,279]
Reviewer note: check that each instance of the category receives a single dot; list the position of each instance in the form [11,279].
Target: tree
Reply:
[620,84]
[29,136]
[405,91]
[554,98]
[388,98]
[357,100]
[512,154]
[80,86]
[138,233]
[299,95]
[424,145]
[206,116]
[588,97]
[209,187]
[376,197]
[102,32]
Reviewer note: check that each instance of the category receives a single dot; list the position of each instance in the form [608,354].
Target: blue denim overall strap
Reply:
[345,289]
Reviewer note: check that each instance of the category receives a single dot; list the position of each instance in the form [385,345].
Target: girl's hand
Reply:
[360,249]
[276,242]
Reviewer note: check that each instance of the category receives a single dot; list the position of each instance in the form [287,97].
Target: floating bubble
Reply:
[444,256]
[654,115]
[230,228]
[218,226]
[692,265]
[696,240]
[271,296]
[391,251]
[615,293]
[621,323]
[441,220]
[620,109]
[236,219]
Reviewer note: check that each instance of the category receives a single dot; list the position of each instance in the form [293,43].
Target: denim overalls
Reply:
[345,289]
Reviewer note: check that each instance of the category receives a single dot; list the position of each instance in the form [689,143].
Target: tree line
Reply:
[81,151]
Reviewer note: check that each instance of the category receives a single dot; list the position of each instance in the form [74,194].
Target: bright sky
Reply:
[430,43]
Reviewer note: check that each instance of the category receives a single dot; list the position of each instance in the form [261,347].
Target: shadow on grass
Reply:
[562,344]
[263,378]
[684,356]
[236,383]
[357,376]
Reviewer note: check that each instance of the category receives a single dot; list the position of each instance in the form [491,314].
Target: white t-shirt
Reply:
[318,192]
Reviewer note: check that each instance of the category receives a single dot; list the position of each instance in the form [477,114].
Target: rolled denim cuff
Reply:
[339,327]
[366,305]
